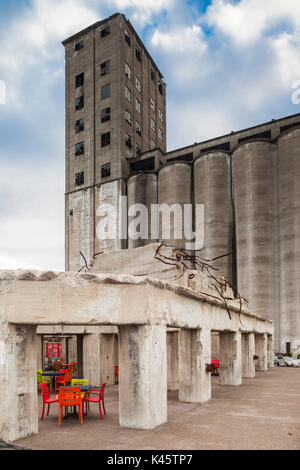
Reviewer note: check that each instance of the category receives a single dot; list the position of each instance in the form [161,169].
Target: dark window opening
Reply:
[289,126]
[79,148]
[127,38]
[143,165]
[138,53]
[105,32]
[128,141]
[138,150]
[225,146]
[79,103]
[105,92]
[160,88]
[105,68]
[105,170]
[105,115]
[261,135]
[288,348]
[79,45]
[152,76]
[79,126]
[79,179]
[188,157]
[71,213]
[79,80]
[105,139]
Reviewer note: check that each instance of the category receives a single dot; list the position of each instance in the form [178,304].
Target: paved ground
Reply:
[264,413]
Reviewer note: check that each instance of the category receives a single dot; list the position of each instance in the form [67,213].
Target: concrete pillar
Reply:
[173,359]
[143,376]
[18,382]
[91,359]
[39,346]
[270,351]
[194,355]
[107,358]
[261,350]
[80,356]
[230,358]
[248,351]
[72,345]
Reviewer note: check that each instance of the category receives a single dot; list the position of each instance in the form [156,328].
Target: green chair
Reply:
[42,379]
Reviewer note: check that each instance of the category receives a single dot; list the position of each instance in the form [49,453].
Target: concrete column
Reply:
[80,356]
[107,358]
[270,351]
[18,383]
[230,358]
[73,349]
[194,355]
[173,359]
[39,345]
[248,351]
[143,376]
[261,350]
[91,359]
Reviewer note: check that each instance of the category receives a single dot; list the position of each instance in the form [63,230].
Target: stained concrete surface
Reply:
[262,414]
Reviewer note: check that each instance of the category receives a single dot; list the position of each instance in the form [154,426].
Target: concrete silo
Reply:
[289,238]
[174,192]
[212,187]
[256,240]
[141,189]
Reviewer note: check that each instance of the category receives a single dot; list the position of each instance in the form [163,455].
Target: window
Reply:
[160,134]
[127,71]
[79,103]
[153,125]
[138,106]
[105,170]
[79,148]
[105,32]
[128,116]
[153,144]
[71,213]
[79,80]
[105,92]
[128,140]
[79,179]
[161,116]
[160,87]
[105,115]
[138,150]
[78,46]
[79,126]
[152,104]
[105,68]
[127,38]
[127,93]
[138,53]
[138,84]
[152,76]
[138,129]
[105,139]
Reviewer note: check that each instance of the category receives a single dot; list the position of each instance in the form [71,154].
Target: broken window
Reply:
[79,148]
[79,103]
[160,87]
[127,38]
[138,129]
[105,139]
[128,140]
[79,80]
[79,126]
[128,116]
[105,170]
[105,92]
[138,53]
[127,93]
[152,76]
[105,115]
[161,116]
[160,134]
[105,68]
[153,125]
[153,144]
[138,84]
[105,32]
[152,104]
[79,179]
[127,71]
[138,150]
[78,46]
[138,106]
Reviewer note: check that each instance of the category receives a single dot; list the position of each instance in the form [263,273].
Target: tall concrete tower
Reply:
[115,111]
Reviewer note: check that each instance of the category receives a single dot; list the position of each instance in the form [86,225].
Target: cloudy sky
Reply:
[228,65]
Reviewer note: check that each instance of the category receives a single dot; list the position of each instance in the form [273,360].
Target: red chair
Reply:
[63,379]
[69,396]
[46,398]
[98,397]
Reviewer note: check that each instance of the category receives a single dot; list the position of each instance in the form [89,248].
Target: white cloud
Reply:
[142,11]
[181,40]
[247,20]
